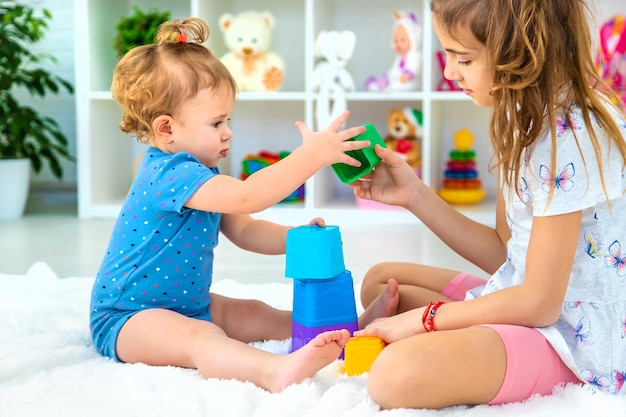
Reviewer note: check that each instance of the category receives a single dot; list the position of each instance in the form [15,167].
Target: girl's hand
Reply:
[393,181]
[394,328]
[330,144]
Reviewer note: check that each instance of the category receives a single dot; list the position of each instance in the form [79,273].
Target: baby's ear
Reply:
[162,128]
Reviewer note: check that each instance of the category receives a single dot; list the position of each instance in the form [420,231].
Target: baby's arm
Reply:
[257,235]
[268,186]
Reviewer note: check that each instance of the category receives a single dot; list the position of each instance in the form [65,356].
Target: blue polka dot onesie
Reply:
[160,254]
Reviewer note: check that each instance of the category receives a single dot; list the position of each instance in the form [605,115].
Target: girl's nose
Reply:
[450,70]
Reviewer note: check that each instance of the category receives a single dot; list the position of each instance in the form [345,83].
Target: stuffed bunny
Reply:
[330,76]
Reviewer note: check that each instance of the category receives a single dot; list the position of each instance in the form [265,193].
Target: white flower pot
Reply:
[14,183]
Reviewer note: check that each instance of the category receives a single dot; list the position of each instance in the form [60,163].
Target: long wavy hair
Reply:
[541,57]
[153,80]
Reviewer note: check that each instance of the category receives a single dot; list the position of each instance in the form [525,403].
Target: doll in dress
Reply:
[407,41]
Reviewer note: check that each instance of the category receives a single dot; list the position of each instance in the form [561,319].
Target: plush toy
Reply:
[405,135]
[253,65]
[330,76]
[407,42]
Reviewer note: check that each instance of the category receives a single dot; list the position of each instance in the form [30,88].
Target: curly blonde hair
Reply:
[540,55]
[153,80]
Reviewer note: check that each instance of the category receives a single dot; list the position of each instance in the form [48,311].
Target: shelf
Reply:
[265,121]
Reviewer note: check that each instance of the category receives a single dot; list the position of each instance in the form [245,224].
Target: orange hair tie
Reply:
[181,37]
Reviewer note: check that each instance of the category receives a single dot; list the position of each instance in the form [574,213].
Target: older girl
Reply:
[554,308]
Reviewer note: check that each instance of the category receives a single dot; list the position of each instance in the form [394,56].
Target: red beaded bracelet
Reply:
[428,318]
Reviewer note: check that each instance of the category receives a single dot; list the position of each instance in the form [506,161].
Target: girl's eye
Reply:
[464,62]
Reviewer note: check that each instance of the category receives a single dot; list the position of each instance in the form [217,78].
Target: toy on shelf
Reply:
[323,290]
[248,37]
[405,135]
[252,163]
[444,82]
[368,158]
[407,44]
[360,352]
[330,76]
[461,184]
[611,59]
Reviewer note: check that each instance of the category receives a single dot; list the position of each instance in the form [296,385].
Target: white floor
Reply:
[74,247]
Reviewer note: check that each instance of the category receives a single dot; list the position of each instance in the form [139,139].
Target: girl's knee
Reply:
[392,380]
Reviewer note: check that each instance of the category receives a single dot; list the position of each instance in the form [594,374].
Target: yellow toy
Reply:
[461,184]
[360,353]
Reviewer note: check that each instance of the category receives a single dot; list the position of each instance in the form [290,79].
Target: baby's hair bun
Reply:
[192,29]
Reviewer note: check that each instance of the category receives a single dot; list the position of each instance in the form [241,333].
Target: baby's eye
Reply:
[219,123]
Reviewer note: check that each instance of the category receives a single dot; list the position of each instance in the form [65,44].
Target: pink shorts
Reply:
[532,365]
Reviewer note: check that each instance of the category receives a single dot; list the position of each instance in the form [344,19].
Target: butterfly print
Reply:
[563,180]
[572,121]
[582,332]
[594,248]
[619,380]
[522,189]
[600,382]
[615,259]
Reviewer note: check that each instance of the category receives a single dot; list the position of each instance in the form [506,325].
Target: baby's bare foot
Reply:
[385,305]
[310,358]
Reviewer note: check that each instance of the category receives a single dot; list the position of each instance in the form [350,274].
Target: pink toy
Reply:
[407,42]
[444,82]
[611,60]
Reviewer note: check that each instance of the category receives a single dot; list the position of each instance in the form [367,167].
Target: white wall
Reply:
[60,43]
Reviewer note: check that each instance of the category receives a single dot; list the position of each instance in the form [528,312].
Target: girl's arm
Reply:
[394,182]
[537,302]
[268,186]
[482,245]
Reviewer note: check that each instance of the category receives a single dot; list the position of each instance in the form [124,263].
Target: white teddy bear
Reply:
[330,76]
[248,36]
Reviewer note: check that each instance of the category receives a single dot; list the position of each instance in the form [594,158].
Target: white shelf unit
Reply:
[265,121]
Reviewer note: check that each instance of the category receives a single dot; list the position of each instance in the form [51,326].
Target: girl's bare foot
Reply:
[310,358]
[385,305]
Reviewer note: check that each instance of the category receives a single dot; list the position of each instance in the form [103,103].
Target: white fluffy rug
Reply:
[48,367]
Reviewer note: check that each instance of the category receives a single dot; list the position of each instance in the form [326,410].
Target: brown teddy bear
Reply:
[405,135]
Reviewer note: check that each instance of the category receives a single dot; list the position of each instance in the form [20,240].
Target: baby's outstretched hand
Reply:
[317,221]
[331,144]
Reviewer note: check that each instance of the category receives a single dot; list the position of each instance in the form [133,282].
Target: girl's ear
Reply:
[162,128]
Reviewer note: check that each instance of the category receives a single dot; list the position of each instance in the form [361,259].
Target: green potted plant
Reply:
[28,139]
[138,29]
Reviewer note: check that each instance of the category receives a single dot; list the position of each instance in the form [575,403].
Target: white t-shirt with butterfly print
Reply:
[590,336]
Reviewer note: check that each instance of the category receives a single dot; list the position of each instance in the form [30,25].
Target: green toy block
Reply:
[348,174]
